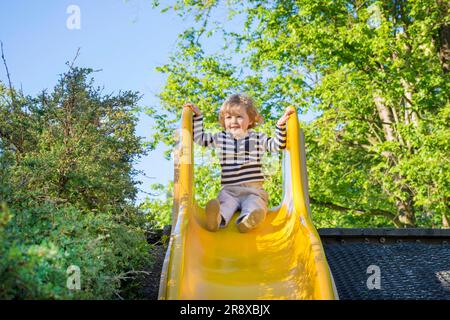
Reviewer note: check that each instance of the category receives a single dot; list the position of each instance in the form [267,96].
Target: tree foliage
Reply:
[375,72]
[67,191]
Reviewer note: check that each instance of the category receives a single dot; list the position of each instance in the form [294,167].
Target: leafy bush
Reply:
[158,210]
[38,245]
[66,177]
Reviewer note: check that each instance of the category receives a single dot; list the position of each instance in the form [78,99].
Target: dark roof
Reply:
[413,263]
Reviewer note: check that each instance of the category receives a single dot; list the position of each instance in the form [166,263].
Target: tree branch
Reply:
[74,59]
[373,212]
[7,75]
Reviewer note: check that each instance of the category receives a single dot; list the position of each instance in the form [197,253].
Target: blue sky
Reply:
[127,39]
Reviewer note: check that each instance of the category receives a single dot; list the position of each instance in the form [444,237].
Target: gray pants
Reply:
[234,197]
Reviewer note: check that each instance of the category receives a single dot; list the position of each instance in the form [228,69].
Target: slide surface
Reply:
[282,259]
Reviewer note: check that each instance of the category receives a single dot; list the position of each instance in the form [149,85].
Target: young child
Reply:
[240,151]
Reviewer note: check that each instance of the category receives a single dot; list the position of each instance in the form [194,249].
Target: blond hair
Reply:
[241,100]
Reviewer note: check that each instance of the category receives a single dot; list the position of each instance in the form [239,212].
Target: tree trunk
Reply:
[386,118]
[445,222]
[406,214]
[410,114]
[444,39]
[405,208]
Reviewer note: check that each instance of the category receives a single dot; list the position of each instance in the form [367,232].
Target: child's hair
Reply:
[240,99]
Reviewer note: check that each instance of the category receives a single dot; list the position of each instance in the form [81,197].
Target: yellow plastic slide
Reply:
[282,259]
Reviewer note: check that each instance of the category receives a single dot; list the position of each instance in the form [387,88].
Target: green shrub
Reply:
[38,244]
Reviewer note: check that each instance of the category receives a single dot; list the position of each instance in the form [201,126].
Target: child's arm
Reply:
[279,142]
[275,144]
[200,136]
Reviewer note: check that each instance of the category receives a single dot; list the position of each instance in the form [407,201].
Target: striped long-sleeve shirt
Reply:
[240,159]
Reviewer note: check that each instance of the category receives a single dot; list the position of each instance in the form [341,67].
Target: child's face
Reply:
[236,120]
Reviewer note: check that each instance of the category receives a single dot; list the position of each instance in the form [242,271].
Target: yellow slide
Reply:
[281,259]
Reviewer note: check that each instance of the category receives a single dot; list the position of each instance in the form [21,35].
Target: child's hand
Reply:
[193,107]
[285,116]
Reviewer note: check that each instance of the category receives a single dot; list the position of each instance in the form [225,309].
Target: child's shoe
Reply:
[252,220]
[213,217]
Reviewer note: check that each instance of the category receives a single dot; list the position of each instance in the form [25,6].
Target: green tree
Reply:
[158,209]
[75,144]
[376,72]
[67,191]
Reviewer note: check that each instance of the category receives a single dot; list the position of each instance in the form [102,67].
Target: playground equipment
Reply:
[281,259]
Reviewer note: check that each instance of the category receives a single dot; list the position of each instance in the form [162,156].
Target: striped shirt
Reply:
[240,159]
